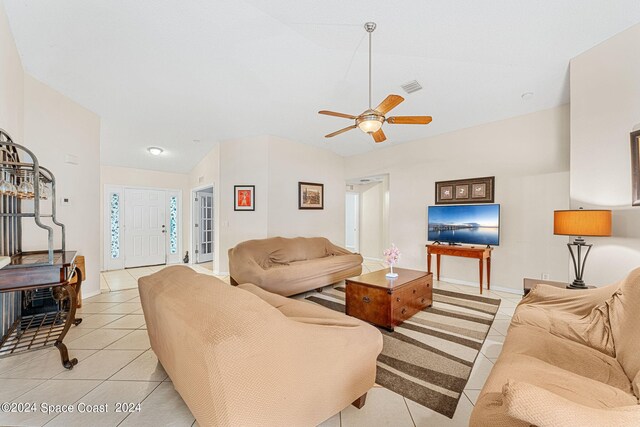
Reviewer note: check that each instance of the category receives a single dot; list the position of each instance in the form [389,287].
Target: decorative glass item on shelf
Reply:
[23,178]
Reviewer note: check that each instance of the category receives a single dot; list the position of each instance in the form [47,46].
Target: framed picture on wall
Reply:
[310,195]
[635,168]
[474,190]
[244,197]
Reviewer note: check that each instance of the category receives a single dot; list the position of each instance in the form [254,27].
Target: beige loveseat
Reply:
[291,266]
[245,357]
[570,358]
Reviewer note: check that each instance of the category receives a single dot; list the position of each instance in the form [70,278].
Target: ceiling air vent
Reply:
[412,86]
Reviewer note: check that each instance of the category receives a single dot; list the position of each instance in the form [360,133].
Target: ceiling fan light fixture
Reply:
[369,123]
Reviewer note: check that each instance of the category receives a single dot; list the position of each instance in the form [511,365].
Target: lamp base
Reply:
[577,284]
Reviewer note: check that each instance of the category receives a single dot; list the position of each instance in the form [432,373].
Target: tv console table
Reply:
[480,254]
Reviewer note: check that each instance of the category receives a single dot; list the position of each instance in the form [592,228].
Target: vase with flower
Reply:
[391,257]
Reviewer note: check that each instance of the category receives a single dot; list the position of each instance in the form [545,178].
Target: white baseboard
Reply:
[477,285]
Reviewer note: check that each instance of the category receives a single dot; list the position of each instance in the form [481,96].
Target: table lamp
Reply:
[580,223]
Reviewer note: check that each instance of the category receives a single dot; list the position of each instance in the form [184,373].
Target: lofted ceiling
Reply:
[165,73]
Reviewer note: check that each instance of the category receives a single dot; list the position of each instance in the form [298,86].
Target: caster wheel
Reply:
[70,363]
[76,322]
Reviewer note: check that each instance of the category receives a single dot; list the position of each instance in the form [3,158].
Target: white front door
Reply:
[205,227]
[145,227]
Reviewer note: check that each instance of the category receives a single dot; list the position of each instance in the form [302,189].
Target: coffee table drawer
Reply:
[368,304]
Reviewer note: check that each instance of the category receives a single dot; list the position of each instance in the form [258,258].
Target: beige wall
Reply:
[605,108]
[129,177]
[242,162]
[11,82]
[528,155]
[55,126]
[292,162]
[275,166]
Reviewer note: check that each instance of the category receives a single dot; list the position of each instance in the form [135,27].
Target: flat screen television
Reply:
[471,224]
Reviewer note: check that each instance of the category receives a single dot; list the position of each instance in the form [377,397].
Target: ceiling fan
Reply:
[371,120]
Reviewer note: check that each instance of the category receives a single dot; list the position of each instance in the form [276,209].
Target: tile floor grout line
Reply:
[409,410]
[22,379]
[141,402]
[56,416]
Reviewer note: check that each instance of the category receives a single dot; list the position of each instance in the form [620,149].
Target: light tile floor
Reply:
[117,365]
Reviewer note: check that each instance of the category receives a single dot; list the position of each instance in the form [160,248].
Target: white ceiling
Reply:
[165,73]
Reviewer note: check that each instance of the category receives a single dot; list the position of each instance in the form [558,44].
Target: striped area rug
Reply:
[428,358]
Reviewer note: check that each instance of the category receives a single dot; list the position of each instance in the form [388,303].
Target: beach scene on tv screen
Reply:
[474,224]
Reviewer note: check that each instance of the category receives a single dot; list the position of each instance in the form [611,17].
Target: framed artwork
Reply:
[479,191]
[474,190]
[635,168]
[446,192]
[310,195]
[244,197]
[462,191]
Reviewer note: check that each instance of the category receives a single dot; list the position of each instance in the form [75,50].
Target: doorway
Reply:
[141,226]
[367,216]
[203,230]
[352,222]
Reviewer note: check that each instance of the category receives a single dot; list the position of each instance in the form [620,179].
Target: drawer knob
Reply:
[366,300]
[414,291]
[422,300]
[398,299]
[404,310]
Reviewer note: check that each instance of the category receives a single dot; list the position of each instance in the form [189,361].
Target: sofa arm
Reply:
[542,408]
[576,301]
[244,269]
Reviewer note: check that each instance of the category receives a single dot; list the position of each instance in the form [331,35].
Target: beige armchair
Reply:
[245,357]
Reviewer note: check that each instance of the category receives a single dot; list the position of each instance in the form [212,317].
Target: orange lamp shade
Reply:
[582,222]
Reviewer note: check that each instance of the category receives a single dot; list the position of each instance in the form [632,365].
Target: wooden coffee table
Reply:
[388,302]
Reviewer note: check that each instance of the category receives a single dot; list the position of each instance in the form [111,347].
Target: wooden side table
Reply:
[480,254]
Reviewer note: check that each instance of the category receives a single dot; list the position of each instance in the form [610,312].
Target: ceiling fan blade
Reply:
[333,113]
[338,132]
[409,120]
[389,103]
[379,136]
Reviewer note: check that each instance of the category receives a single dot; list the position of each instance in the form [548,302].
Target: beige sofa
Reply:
[245,357]
[570,358]
[291,266]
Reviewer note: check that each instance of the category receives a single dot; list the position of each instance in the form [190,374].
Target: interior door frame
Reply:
[119,263]
[357,219]
[193,241]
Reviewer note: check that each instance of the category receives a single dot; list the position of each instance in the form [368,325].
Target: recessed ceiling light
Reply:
[527,96]
[156,151]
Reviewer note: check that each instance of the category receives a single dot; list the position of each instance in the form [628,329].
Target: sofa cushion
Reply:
[567,355]
[543,408]
[592,330]
[295,309]
[624,314]
[285,251]
[564,367]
